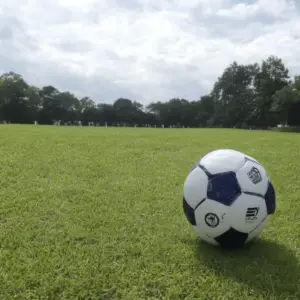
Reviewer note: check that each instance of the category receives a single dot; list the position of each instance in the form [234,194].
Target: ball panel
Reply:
[189,212]
[193,167]
[247,212]
[208,174]
[210,218]
[195,187]
[253,178]
[253,234]
[223,188]
[223,160]
[232,238]
[203,236]
[250,158]
[270,198]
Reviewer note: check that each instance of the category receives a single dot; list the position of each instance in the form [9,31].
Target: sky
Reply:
[144,50]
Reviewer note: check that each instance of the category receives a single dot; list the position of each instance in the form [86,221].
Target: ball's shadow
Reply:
[263,265]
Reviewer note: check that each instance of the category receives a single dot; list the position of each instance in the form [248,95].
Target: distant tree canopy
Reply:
[253,95]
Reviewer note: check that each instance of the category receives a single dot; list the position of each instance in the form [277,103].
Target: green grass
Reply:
[96,213]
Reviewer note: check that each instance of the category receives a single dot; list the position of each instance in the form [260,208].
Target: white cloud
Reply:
[145,50]
[275,8]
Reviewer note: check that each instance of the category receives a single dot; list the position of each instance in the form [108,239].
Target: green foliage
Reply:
[244,96]
[84,219]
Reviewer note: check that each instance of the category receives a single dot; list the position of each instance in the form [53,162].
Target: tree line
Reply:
[253,95]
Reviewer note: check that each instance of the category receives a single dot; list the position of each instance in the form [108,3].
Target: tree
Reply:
[232,95]
[126,111]
[69,105]
[34,102]
[107,114]
[250,95]
[272,77]
[282,102]
[14,98]
[52,109]
[286,103]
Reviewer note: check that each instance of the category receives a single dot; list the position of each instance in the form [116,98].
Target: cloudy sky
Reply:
[145,50]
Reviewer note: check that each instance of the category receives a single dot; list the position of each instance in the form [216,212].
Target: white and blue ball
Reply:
[228,198]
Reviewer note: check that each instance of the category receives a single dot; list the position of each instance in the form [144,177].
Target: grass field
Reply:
[96,213]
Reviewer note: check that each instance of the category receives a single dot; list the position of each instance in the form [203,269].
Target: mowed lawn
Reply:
[96,213]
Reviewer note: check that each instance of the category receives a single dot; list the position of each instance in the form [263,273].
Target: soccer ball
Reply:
[228,198]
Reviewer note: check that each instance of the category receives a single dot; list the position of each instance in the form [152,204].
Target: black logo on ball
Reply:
[251,214]
[212,220]
[254,175]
